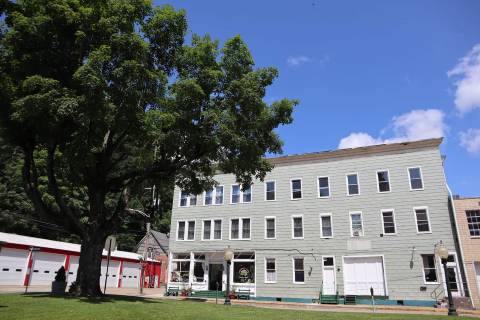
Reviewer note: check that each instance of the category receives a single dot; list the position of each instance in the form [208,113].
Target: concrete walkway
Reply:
[158,293]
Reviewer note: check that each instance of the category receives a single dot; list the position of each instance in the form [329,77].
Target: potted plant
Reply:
[60,283]
[232,295]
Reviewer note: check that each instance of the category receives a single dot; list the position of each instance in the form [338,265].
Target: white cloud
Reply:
[295,61]
[467,95]
[470,140]
[414,125]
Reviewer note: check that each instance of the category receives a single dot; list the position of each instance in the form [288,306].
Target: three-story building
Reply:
[339,221]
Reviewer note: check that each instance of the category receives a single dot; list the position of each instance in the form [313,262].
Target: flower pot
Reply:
[58,287]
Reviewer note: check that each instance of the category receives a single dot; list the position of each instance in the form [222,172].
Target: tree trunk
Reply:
[88,274]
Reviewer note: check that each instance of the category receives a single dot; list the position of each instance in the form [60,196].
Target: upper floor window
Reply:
[270,190]
[212,229]
[353,187]
[241,196]
[422,220]
[323,187]
[193,200]
[296,185]
[187,200]
[297,227]
[429,268]
[356,224]
[240,229]
[189,233]
[383,180]
[213,196]
[473,220]
[270,228]
[298,270]
[326,229]
[416,181]
[388,221]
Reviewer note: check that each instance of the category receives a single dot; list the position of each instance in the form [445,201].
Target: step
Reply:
[329,299]
[350,300]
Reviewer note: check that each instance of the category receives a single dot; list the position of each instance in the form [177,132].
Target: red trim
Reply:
[67,262]
[29,269]
[120,273]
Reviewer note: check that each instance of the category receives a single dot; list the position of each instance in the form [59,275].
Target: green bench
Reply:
[243,294]
[172,291]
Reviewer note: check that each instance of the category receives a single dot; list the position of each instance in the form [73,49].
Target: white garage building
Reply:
[19,265]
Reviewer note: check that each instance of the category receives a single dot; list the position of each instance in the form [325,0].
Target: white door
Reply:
[13,265]
[131,275]
[362,273]
[454,276]
[72,270]
[113,269]
[328,270]
[44,267]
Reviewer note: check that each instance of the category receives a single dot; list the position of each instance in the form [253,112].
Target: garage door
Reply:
[112,274]
[13,264]
[362,273]
[131,275]
[44,267]
[72,271]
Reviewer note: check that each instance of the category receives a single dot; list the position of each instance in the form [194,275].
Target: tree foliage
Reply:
[101,96]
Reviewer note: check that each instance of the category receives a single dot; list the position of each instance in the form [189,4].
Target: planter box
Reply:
[58,288]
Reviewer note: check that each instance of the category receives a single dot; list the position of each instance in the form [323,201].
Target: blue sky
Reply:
[365,71]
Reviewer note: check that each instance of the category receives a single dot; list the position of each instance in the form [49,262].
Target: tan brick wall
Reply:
[470,245]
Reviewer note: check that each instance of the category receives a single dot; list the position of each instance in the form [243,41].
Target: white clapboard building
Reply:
[20,265]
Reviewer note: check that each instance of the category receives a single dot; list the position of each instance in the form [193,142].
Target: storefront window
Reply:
[180,271]
[244,271]
[198,272]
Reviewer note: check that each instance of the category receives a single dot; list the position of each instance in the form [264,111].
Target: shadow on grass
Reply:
[97,300]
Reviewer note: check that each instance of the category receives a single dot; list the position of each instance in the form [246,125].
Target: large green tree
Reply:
[108,95]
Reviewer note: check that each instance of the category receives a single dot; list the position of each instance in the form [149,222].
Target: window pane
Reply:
[217,232]
[219,195]
[247,195]
[243,272]
[246,229]
[422,220]
[191,230]
[270,190]
[324,190]
[270,264]
[183,199]
[271,270]
[328,262]
[270,228]
[299,272]
[193,200]
[356,219]
[235,194]
[415,173]
[208,197]
[235,229]
[326,226]
[180,271]
[296,189]
[473,220]
[383,181]
[198,272]
[429,268]
[415,178]
[181,230]
[352,180]
[297,227]
[207,225]
[388,222]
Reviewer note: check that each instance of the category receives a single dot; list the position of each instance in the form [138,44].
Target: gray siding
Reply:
[404,275]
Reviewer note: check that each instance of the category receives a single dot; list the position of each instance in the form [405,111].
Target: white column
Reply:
[190,274]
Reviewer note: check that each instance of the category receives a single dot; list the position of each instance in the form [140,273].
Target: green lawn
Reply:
[41,306]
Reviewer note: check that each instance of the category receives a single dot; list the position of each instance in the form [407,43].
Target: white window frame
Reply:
[212,229]
[214,196]
[185,235]
[276,271]
[350,220]
[389,181]
[240,229]
[293,270]
[358,184]
[331,225]
[275,226]
[410,178]
[188,200]
[241,194]
[291,189]
[274,189]
[428,219]
[394,222]
[318,187]
[293,227]
[439,274]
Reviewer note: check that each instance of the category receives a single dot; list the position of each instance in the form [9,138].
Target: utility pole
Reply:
[145,258]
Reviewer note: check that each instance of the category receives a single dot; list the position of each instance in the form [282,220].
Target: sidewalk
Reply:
[147,292]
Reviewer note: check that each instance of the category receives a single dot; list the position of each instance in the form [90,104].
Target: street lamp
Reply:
[228,256]
[442,251]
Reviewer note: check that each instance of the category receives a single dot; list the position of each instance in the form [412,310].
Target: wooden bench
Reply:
[243,294]
[172,291]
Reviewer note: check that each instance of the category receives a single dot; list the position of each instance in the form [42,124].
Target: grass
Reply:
[42,306]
